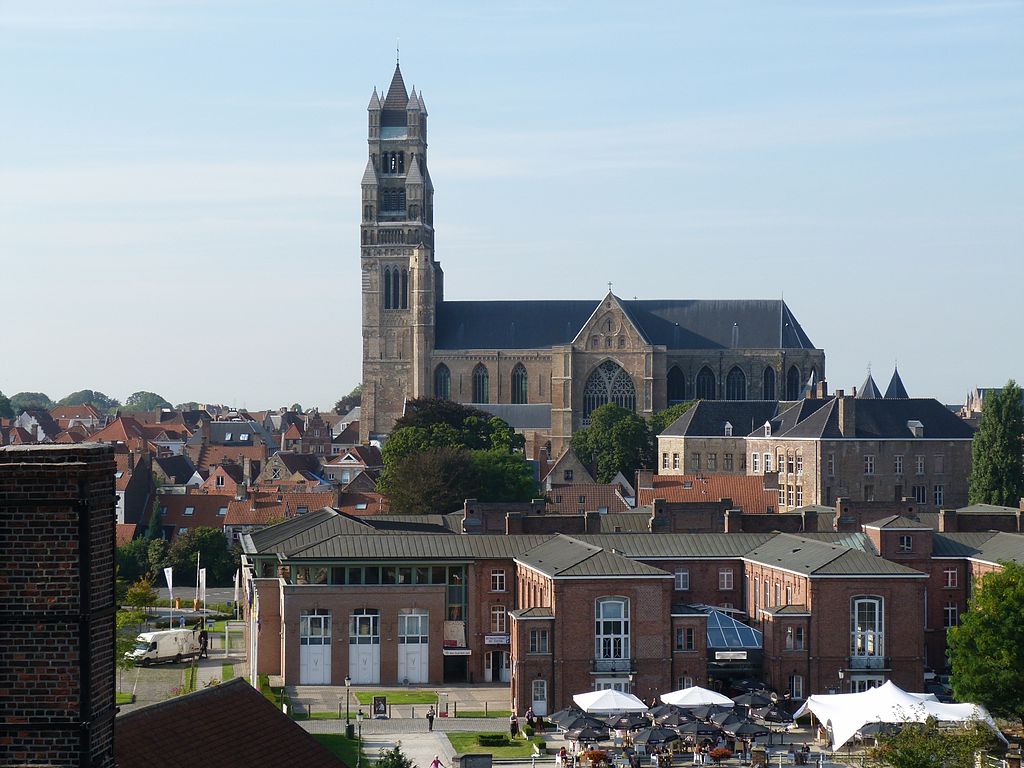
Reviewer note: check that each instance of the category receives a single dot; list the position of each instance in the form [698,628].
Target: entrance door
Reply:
[315,648]
[412,646]
[364,646]
[540,697]
[497,667]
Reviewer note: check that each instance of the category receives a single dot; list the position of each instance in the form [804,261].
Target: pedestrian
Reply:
[513,725]
[436,762]
[529,716]
[204,641]
[430,718]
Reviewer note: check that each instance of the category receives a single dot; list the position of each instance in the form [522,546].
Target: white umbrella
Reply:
[695,697]
[608,700]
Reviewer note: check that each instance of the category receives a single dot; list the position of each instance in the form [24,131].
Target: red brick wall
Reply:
[57,516]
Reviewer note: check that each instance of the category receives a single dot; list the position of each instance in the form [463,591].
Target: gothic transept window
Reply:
[793,383]
[442,382]
[704,387]
[768,384]
[520,384]
[609,383]
[481,384]
[676,382]
[736,384]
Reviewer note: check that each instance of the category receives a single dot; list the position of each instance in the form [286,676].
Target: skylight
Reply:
[725,632]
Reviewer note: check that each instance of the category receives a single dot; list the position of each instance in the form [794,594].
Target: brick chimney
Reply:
[847,414]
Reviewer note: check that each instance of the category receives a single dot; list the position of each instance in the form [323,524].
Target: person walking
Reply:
[430,718]
[513,725]
[436,762]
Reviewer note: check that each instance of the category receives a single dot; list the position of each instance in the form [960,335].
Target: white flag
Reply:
[237,584]
[202,585]
[168,574]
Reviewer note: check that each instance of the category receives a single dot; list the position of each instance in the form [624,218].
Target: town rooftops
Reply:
[898,523]
[536,612]
[985,546]
[746,492]
[708,418]
[812,557]
[883,419]
[563,557]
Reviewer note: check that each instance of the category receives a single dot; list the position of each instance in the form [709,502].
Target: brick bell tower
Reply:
[401,282]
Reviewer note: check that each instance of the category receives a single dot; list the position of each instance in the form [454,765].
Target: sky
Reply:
[179,180]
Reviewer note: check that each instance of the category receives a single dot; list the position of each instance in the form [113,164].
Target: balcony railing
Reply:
[870,662]
[614,665]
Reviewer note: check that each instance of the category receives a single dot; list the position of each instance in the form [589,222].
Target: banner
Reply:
[238,579]
[168,574]
[202,585]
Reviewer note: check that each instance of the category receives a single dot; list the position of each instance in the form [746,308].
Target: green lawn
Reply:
[124,698]
[506,713]
[397,697]
[227,671]
[466,741]
[340,747]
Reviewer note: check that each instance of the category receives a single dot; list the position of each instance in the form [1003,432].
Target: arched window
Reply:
[609,383]
[405,289]
[705,385]
[396,289]
[611,630]
[768,384]
[867,635]
[387,288]
[481,384]
[520,384]
[793,383]
[401,200]
[676,386]
[401,162]
[442,382]
[736,384]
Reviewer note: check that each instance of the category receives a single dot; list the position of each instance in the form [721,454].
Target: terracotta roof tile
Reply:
[262,508]
[206,510]
[125,533]
[590,497]
[746,491]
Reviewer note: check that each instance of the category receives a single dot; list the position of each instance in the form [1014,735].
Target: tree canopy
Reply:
[145,401]
[986,650]
[617,440]
[662,420]
[469,427]
[997,465]
[349,401]
[214,556]
[6,411]
[91,397]
[929,745]
[25,400]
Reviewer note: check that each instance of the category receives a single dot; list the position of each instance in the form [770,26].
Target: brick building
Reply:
[57,605]
[391,600]
[545,364]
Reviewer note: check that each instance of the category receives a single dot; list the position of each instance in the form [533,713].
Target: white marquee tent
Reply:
[696,697]
[609,701]
[847,713]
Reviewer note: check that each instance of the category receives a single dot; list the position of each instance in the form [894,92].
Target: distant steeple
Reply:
[374,101]
[370,174]
[896,390]
[869,390]
[397,96]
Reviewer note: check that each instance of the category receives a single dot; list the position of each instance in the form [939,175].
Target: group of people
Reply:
[513,722]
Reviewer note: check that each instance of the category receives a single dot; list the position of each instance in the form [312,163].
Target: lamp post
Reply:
[841,676]
[359,743]
[348,720]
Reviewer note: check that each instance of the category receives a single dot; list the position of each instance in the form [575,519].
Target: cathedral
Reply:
[543,366]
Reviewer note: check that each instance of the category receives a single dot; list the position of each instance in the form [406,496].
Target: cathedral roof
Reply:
[396,100]
[869,390]
[423,104]
[896,390]
[674,323]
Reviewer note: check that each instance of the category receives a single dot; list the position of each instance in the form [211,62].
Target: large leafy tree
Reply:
[24,400]
[133,560]
[473,429]
[617,440]
[91,397]
[997,467]
[987,650]
[6,411]
[349,401]
[663,419]
[145,401]
[214,556]
[929,745]
[432,480]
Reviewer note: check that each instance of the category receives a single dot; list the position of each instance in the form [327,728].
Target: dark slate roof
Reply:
[153,735]
[674,323]
[788,610]
[987,546]
[520,416]
[178,469]
[707,418]
[869,390]
[792,413]
[987,509]
[687,610]
[896,390]
[880,419]
[817,558]
[564,556]
[626,522]
[898,522]
[395,102]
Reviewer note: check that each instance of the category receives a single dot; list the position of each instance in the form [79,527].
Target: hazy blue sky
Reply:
[179,181]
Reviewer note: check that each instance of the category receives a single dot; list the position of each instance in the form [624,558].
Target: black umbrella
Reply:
[587,734]
[629,721]
[745,730]
[582,720]
[655,736]
[706,711]
[661,710]
[754,699]
[749,684]
[728,719]
[772,714]
[568,715]
[673,719]
[699,729]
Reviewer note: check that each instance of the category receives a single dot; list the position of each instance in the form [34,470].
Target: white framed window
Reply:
[497,581]
[245,436]
[755,462]
[950,615]
[315,627]
[799,495]
[869,464]
[725,578]
[219,481]
[795,686]
[675,461]
[799,463]
[712,462]
[937,494]
[949,576]
[189,511]
[413,626]
[728,429]
[498,619]
[685,682]
[920,493]
[794,638]
[611,628]
[906,542]
[222,512]
[790,463]
[767,462]
[920,464]
[539,641]
[567,475]
[727,462]
[789,495]
[867,631]
[227,437]
[664,460]
[695,461]
[682,579]
[897,463]
[182,531]
[767,429]
[685,638]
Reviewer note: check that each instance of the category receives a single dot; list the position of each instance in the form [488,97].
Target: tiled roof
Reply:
[588,497]
[46,422]
[296,462]
[205,508]
[125,533]
[359,503]
[566,557]
[898,522]
[177,469]
[203,728]
[293,432]
[213,455]
[261,508]
[123,429]
[747,492]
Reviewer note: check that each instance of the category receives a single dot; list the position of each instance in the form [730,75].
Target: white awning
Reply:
[696,697]
[610,701]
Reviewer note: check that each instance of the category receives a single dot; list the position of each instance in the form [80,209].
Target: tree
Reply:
[927,745]
[393,758]
[214,556]
[432,480]
[6,411]
[145,401]
[662,420]
[156,557]
[128,626]
[349,401]
[617,440]
[25,400]
[997,466]
[987,650]
[296,408]
[141,594]
[476,429]
[133,559]
[503,476]
[91,397]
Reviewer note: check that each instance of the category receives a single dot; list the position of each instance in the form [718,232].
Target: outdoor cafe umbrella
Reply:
[707,711]
[582,720]
[672,719]
[587,734]
[660,710]
[754,699]
[749,684]
[771,714]
[568,714]
[628,721]
[725,722]
[745,730]
[697,728]
[655,735]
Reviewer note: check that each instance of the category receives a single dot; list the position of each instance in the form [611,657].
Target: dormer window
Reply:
[243,436]
[906,543]
[227,437]
[767,429]
[189,511]
[728,429]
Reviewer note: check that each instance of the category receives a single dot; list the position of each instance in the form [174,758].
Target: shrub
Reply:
[494,740]
[528,731]
[718,754]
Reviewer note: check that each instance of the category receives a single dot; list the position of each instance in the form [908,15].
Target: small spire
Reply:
[374,100]
[896,390]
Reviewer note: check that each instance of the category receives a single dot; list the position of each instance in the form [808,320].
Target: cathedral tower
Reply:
[401,281]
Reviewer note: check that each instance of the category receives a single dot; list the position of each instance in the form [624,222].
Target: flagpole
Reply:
[196,603]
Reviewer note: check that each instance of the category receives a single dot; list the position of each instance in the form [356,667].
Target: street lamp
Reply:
[841,676]
[359,743]
[348,720]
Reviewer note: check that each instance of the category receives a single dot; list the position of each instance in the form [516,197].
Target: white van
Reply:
[167,645]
